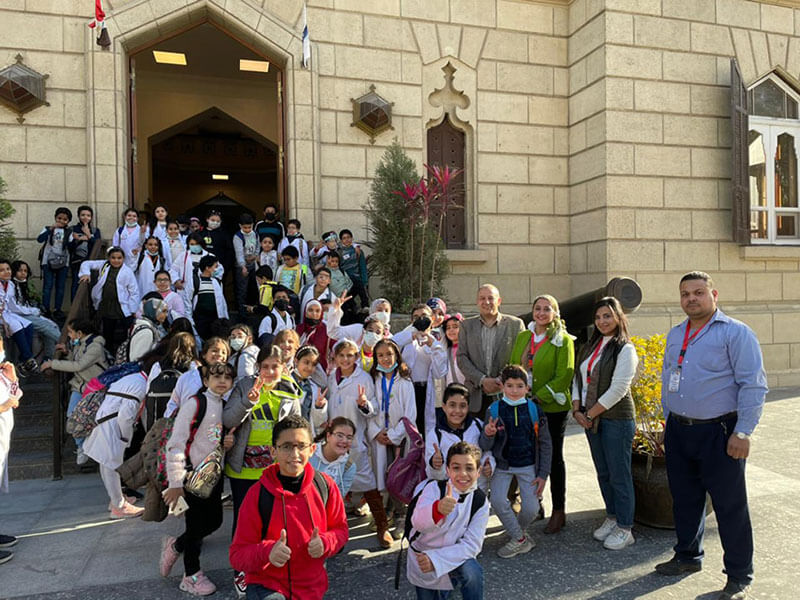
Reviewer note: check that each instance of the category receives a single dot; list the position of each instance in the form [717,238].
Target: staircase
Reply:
[31,454]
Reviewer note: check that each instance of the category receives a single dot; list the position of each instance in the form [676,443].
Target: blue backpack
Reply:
[533,411]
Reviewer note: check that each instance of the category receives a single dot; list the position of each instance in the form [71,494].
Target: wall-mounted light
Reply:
[169,58]
[220,177]
[257,66]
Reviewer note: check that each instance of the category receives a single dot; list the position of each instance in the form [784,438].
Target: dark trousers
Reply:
[202,519]
[698,462]
[24,341]
[259,592]
[557,425]
[115,331]
[53,278]
[420,397]
[359,289]
[239,488]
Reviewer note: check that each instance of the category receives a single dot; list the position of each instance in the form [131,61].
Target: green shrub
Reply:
[9,247]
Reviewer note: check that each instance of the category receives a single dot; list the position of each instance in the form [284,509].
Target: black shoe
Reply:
[675,567]
[6,541]
[5,556]
[734,591]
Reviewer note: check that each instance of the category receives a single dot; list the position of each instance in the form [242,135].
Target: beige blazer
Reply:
[470,357]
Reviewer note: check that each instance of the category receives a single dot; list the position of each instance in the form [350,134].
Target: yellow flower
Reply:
[646,392]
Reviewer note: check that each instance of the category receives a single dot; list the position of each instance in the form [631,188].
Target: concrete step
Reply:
[38,464]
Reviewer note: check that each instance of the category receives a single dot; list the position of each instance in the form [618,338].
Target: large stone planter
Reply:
[651,491]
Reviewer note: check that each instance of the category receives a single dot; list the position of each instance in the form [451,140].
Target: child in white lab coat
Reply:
[10,393]
[130,237]
[448,527]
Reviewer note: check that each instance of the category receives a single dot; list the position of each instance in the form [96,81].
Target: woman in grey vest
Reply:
[602,404]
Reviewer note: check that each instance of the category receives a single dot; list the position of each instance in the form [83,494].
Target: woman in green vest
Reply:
[256,404]
[547,352]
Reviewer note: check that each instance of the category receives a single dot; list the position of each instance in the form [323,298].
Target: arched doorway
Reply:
[206,119]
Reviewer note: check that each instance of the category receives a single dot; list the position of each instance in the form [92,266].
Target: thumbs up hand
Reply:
[315,546]
[448,503]
[280,553]
[437,460]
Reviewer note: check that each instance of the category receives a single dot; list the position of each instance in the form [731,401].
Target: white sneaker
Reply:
[618,539]
[601,533]
[82,457]
[514,547]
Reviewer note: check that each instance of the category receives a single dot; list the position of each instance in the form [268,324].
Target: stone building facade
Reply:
[597,133]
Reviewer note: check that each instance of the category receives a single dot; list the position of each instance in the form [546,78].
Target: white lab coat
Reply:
[401,404]
[127,287]
[337,331]
[6,425]
[222,304]
[449,543]
[187,386]
[13,321]
[427,363]
[146,273]
[175,304]
[444,437]
[107,442]
[244,362]
[342,402]
[130,239]
[174,248]
[160,232]
[181,270]
[281,323]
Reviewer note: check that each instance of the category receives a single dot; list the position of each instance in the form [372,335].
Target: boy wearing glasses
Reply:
[290,522]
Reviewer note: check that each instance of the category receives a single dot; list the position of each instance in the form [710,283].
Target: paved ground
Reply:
[69,549]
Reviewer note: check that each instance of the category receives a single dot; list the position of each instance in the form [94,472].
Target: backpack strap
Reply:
[494,409]
[533,411]
[199,415]
[322,487]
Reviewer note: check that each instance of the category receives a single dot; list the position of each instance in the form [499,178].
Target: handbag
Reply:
[406,472]
[202,479]
[57,261]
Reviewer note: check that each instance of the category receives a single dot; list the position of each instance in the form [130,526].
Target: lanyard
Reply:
[591,361]
[686,339]
[385,400]
[535,349]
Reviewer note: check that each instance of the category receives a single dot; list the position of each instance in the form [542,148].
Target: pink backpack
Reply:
[406,472]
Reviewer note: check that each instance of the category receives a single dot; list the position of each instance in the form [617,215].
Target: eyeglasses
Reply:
[343,436]
[290,448]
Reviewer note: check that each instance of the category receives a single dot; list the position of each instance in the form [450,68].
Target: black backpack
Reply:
[266,500]
[158,394]
[478,500]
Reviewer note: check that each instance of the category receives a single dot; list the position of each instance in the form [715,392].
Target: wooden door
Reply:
[446,148]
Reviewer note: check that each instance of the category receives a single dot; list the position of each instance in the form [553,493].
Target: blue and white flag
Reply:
[306,40]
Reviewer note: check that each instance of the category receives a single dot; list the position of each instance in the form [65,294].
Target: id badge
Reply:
[674,380]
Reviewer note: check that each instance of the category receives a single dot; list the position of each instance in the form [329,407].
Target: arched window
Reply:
[773,143]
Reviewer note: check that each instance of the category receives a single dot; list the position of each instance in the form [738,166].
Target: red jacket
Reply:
[303,512]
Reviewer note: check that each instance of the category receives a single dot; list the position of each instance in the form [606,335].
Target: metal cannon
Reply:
[577,311]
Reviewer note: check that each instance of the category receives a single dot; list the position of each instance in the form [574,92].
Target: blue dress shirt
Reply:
[722,372]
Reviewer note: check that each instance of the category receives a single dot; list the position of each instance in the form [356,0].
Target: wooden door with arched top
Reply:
[446,148]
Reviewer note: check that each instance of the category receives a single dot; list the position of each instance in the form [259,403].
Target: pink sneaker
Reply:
[197,584]
[129,499]
[168,556]
[126,511]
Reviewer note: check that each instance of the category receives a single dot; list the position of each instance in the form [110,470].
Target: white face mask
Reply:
[131,222]
[214,224]
[236,343]
[371,338]
[382,316]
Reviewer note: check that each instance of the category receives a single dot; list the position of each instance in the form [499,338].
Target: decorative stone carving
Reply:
[448,97]
[21,88]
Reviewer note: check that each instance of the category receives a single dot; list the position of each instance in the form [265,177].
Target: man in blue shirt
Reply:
[712,388]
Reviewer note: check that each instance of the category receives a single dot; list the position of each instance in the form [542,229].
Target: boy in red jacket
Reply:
[286,527]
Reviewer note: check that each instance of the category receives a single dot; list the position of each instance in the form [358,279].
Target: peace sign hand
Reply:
[339,302]
[491,427]
[362,397]
[321,399]
[253,394]
[448,503]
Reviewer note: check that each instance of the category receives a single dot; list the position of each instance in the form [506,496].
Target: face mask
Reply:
[218,272]
[183,228]
[153,252]
[237,343]
[382,316]
[281,304]
[132,223]
[76,342]
[270,217]
[311,321]
[196,249]
[213,224]
[371,338]
[383,369]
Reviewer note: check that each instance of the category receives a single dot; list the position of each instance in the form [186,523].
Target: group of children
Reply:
[300,404]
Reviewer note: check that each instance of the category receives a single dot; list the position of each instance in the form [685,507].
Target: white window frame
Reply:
[770,129]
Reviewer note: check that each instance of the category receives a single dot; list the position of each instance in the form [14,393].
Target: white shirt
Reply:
[627,361]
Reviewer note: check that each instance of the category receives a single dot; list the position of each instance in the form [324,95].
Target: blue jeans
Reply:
[698,462]
[57,277]
[24,341]
[514,524]
[611,453]
[259,592]
[468,577]
[74,398]
[49,332]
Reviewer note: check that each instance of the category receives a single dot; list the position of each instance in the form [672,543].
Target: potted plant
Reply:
[648,466]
